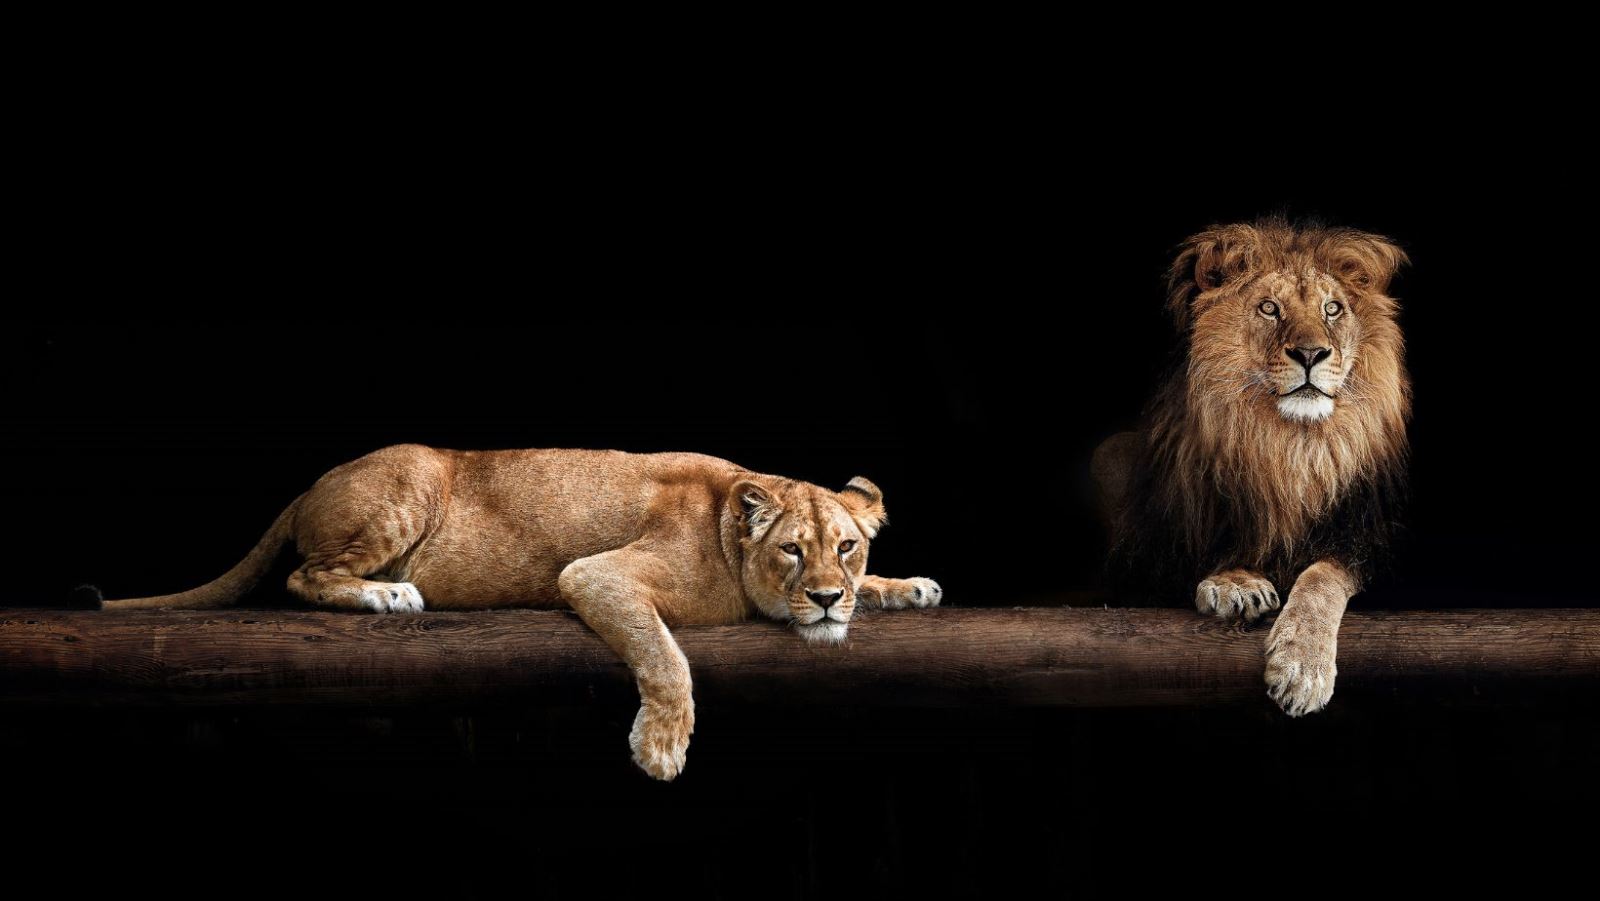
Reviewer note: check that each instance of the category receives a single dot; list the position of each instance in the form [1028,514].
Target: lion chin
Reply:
[1305,406]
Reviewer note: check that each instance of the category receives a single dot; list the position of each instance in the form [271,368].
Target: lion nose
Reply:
[824,598]
[1308,356]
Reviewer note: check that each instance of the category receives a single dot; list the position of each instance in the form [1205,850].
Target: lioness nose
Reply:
[1308,356]
[824,599]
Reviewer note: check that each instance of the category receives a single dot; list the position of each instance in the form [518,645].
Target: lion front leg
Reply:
[898,594]
[1303,643]
[1232,594]
[615,594]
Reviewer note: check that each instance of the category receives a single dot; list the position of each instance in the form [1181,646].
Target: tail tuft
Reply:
[86,597]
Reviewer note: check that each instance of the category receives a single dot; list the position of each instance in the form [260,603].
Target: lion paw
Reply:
[660,738]
[1300,664]
[395,597]
[1235,593]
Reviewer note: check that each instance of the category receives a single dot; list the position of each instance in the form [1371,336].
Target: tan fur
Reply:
[634,543]
[1294,399]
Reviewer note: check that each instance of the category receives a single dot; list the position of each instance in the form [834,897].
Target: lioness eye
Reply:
[791,548]
[846,547]
[1268,308]
[1333,308]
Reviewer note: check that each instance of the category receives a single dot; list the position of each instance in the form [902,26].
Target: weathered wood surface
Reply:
[1036,656]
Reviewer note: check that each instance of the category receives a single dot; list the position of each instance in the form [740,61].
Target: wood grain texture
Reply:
[1036,656]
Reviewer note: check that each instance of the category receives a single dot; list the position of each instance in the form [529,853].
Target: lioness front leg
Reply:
[616,593]
[1236,593]
[1302,645]
[898,594]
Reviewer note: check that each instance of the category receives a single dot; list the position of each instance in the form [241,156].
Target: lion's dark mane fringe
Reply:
[1154,560]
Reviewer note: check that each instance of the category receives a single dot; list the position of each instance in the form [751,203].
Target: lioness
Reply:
[1274,455]
[633,543]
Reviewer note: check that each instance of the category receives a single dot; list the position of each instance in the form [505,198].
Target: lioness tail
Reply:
[229,587]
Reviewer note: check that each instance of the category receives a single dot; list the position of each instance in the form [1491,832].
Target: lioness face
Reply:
[805,550]
[1288,338]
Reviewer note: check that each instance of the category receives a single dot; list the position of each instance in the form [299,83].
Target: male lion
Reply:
[632,542]
[1275,454]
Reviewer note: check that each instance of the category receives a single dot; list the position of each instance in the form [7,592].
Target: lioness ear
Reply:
[1208,261]
[755,506]
[865,503]
[1364,262]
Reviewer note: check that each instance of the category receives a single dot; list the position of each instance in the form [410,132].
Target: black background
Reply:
[958,312]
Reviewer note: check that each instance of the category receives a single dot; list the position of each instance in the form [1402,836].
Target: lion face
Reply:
[804,550]
[1285,321]
[1293,336]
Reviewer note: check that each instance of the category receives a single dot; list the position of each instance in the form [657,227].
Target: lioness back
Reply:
[495,528]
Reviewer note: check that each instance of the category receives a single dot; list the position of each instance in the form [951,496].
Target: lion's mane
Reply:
[1222,479]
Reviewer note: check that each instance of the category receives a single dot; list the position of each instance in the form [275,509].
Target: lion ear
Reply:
[1364,262]
[755,506]
[865,503]
[1208,261]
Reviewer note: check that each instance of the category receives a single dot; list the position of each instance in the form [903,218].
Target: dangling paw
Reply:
[660,737]
[1301,663]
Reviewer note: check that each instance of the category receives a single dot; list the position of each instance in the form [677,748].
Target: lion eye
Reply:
[846,547]
[791,548]
[1333,308]
[1268,308]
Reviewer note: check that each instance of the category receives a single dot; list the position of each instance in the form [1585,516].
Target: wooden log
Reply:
[1036,656]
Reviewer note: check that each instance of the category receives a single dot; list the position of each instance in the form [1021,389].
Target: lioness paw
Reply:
[1300,663]
[917,592]
[924,592]
[1235,593]
[395,597]
[660,738]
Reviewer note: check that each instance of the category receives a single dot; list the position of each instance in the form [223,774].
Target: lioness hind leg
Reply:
[335,589]
[359,524]
[898,594]
[336,574]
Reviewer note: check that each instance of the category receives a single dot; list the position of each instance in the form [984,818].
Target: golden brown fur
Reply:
[1276,451]
[634,543]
